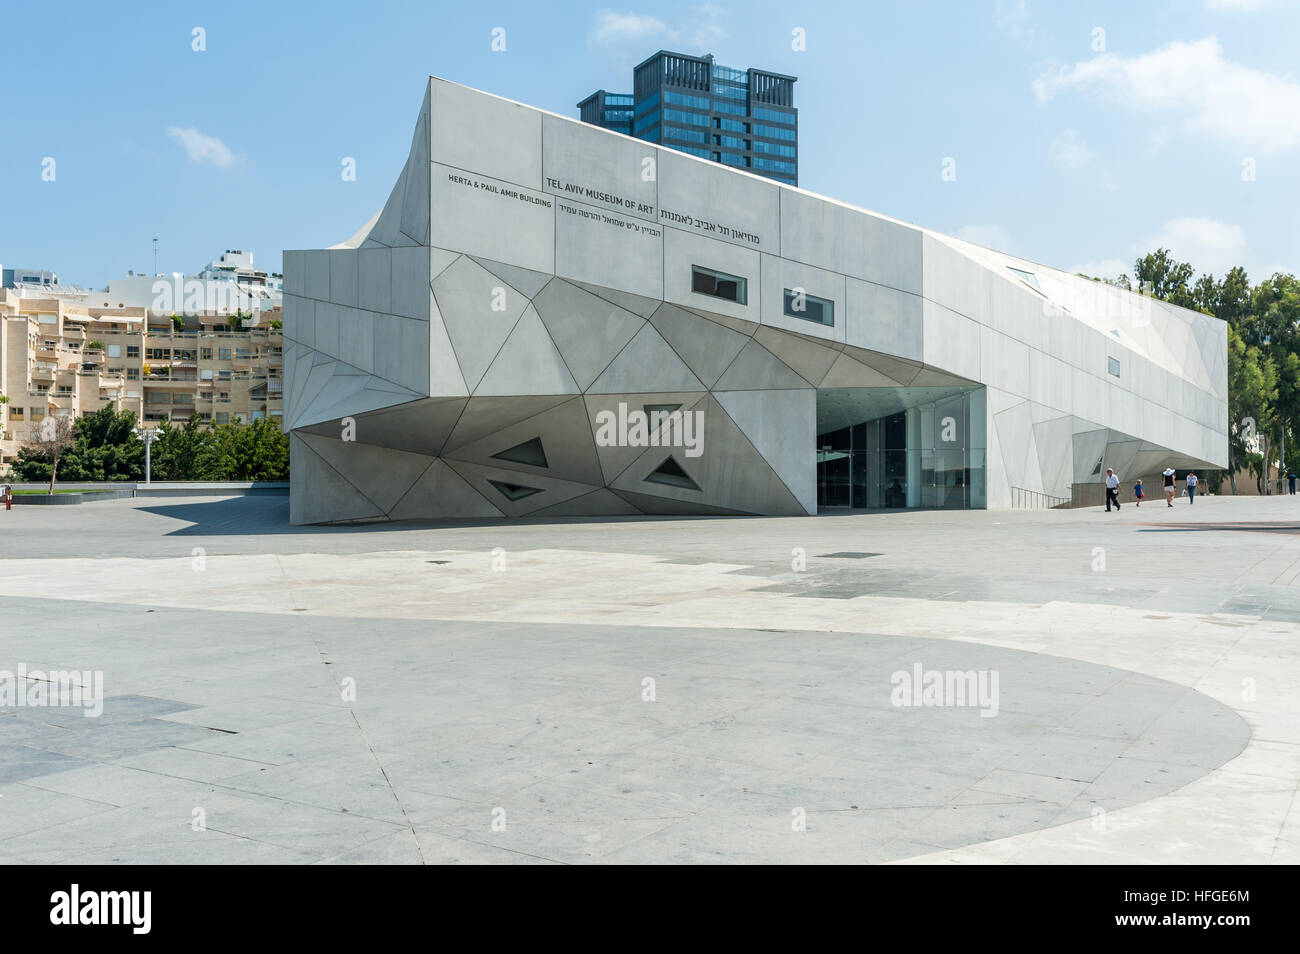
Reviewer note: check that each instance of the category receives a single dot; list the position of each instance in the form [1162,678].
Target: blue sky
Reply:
[1074,148]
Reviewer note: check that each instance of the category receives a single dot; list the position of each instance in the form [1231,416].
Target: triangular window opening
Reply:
[652,409]
[670,472]
[514,491]
[530,452]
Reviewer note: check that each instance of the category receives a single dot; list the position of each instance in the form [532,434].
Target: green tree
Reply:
[1169,278]
[186,452]
[106,447]
[256,451]
[1252,398]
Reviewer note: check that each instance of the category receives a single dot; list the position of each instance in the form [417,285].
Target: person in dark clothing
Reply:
[1112,489]
[1290,480]
[1170,489]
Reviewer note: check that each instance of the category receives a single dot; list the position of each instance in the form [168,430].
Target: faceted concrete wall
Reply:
[530,272]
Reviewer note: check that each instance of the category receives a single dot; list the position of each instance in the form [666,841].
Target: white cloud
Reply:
[1012,18]
[990,236]
[616,27]
[1069,151]
[1213,95]
[1208,244]
[1102,268]
[702,27]
[705,26]
[201,148]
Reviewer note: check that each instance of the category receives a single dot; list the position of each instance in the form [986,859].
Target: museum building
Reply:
[548,318]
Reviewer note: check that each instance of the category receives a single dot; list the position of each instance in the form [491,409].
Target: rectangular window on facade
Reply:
[133,374]
[133,351]
[684,99]
[1112,366]
[224,354]
[680,116]
[689,135]
[774,132]
[705,281]
[799,304]
[772,115]
[115,351]
[16,413]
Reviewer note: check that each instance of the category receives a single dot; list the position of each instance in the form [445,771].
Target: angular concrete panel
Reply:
[441,492]
[589,331]
[528,363]
[479,312]
[756,369]
[647,363]
[707,348]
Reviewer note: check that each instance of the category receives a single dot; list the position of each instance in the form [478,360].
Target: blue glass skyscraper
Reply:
[741,118]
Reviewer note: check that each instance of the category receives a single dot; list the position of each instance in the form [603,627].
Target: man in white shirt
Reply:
[1191,488]
[1112,489]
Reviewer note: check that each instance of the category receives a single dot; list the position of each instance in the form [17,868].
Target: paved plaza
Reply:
[628,690]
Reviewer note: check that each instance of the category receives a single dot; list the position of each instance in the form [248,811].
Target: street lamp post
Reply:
[148,435]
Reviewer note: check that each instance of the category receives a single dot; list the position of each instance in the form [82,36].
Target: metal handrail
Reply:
[1023,498]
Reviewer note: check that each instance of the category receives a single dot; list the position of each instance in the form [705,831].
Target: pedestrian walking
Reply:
[1169,486]
[1112,489]
[1290,479]
[1191,488]
[1137,491]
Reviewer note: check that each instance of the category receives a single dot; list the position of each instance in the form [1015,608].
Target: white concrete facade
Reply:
[531,272]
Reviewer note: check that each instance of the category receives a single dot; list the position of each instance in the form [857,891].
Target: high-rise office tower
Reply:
[741,118]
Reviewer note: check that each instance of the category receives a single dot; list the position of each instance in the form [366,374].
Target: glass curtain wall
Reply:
[901,447]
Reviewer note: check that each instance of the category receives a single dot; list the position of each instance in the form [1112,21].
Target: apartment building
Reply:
[62,355]
[208,367]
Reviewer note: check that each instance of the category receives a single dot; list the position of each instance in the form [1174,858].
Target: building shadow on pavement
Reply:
[266,515]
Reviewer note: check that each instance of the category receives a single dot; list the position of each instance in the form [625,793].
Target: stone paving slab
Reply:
[1142,715]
